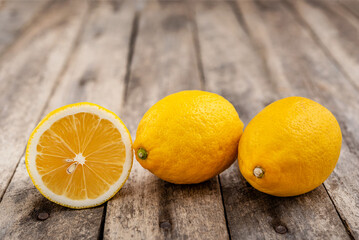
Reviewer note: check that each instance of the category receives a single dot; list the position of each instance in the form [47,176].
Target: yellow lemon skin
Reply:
[189,137]
[294,145]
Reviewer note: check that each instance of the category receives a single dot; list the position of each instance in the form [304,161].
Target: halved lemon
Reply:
[79,155]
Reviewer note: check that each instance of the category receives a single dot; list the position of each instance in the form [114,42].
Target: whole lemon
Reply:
[290,147]
[188,137]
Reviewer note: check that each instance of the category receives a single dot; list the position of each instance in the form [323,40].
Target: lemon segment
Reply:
[79,155]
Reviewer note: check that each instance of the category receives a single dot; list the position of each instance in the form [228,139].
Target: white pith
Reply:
[79,159]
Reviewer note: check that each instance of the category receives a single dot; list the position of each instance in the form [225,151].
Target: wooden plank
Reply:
[243,74]
[336,30]
[312,74]
[27,75]
[351,6]
[95,73]
[147,207]
[15,17]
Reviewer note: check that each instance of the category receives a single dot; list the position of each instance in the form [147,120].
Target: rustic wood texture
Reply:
[126,55]
[351,6]
[18,16]
[28,73]
[148,208]
[336,30]
[240,75]
[90,76]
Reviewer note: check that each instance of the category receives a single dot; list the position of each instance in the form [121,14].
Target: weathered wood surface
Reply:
[16,17]
[54,53]
[164,62]
[28,74]
[336,30]
[91,75]
[240,75]
[351,6]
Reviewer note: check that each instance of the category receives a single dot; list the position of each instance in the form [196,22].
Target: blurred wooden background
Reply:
[126,55]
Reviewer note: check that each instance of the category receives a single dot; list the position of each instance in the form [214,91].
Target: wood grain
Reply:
[95,73]
[242,75]
[54,53]
[312,74]
[28,74]
[336,30]
[16,17]
[147,207]
[351,7]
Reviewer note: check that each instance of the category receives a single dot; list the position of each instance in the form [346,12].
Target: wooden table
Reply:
[126,55]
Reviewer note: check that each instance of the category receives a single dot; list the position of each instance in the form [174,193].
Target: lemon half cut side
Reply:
[79,155]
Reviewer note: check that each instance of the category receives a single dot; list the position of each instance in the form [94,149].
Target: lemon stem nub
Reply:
[142,153]
[258,172]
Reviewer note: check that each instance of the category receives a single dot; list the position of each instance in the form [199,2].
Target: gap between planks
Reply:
[224,206]
[131,46]
[347,228]
[203,84]
[196,44]
[131,51]
[198,53]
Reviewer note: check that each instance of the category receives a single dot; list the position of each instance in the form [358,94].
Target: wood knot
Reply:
[42,216]
[281,229]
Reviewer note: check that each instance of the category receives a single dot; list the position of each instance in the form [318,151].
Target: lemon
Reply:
[188,137]
[79,155]
[290,147]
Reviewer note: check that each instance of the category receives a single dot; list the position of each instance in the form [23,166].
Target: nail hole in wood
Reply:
[280,229]
[42,216]
[165,225]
